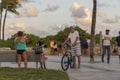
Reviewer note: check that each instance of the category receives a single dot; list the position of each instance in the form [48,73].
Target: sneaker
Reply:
[102,61]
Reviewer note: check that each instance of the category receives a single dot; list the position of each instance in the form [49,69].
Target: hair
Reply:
[40,42]
[71,27]
[20,33]
[107,30]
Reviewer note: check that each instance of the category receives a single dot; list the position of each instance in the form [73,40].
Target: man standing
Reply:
[106,42]
[118,44]
[75,41]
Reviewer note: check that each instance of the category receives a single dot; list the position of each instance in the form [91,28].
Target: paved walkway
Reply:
[88,71]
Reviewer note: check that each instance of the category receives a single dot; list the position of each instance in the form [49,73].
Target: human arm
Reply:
[66,40]
[16,40]
[75,42]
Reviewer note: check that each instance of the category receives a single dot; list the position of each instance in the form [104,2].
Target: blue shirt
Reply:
[21,46]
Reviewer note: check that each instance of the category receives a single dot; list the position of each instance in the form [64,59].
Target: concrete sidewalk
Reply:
[88,71]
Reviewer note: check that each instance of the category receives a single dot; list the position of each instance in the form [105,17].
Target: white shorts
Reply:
[76,50]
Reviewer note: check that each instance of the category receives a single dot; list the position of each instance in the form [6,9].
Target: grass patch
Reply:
[32,74]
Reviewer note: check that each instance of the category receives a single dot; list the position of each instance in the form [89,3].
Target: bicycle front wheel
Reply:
[65,62]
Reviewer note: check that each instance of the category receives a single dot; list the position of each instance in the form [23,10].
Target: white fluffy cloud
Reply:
[28,12]
[81,14]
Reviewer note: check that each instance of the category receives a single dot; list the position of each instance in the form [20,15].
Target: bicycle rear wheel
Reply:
[65,62]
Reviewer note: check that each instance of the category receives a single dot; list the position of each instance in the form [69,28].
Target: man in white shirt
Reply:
[75,41]
[106,42]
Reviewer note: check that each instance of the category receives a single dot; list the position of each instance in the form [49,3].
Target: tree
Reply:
[0,18]
[93,31]
[8,5]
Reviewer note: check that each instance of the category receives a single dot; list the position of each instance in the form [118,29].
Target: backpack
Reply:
[38,49]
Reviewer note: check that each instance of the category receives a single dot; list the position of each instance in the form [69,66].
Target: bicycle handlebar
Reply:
[67,45]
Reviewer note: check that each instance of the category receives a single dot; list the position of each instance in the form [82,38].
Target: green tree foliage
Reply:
[59,38]
[97,38]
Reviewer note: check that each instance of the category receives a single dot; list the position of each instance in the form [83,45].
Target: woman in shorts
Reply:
[20,42]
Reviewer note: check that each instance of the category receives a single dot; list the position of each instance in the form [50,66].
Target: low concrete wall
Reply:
[11,56]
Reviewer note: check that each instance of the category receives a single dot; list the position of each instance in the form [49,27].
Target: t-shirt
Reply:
[52,44]
[73,37]
[118,40]
[106,40]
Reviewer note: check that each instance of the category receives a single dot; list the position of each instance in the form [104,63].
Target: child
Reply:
[40,54]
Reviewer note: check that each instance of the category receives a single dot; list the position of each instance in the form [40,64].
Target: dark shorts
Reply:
[84,46]
[55,49]
[20,51]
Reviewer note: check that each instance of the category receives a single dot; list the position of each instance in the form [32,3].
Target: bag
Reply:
[38,49]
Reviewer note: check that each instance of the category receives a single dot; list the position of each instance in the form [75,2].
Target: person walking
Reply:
[118,44]
[75,41]
[106,43]
[20,42]
[84,47]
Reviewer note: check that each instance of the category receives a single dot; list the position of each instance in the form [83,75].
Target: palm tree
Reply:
[0,18]
[93,31]
[8,5]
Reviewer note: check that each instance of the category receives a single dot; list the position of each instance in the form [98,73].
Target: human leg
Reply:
[108,53]
[79,61]
[104,50]
[119,54]
[74,61]
[19,60]
[36,58]
[85,51]
[24,55]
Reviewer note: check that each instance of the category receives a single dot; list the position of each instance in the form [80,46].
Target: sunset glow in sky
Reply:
[46,17]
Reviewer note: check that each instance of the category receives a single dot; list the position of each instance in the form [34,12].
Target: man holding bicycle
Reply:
[75,41]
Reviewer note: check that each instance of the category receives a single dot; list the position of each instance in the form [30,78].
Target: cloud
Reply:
[12,28]
[81,14]
[112,21]
[105,4]
[102,15]
[28,12]
[106,19]
[51,8]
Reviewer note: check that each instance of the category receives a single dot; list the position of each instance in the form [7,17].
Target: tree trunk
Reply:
[3,29]
[0,20]
[92,42]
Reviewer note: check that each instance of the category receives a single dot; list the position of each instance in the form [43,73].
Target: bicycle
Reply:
[67,60]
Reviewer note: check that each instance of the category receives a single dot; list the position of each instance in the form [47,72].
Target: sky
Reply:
[47,17]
